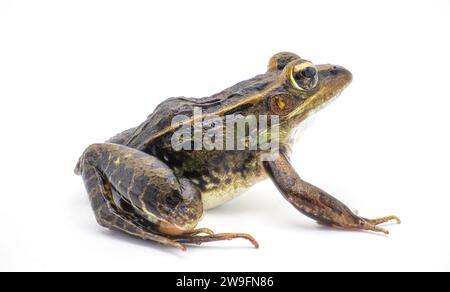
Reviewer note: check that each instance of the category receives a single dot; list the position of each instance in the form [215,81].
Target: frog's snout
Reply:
[333,80]
[334,76]
[345,75]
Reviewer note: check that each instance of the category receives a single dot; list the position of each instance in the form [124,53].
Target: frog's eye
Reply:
[281,104]
[304,76]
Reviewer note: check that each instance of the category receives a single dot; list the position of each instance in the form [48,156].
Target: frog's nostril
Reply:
[341,73]
[334,70]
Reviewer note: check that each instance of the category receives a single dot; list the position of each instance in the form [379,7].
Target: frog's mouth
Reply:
[332,81]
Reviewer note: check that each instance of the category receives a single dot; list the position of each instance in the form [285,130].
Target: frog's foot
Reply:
[196,239]
[352,221]
[372,224]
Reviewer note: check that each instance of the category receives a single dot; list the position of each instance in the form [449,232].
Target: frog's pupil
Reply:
[309,72]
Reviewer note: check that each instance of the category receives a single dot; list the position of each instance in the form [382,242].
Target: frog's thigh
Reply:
[171,205]
[120,138]
[147,184]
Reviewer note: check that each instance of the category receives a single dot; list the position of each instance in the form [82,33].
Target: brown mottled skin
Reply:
[139,185]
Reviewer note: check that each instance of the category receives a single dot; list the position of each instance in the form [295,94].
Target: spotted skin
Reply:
[138,184]
[219,175]
[136,193]
[107,213]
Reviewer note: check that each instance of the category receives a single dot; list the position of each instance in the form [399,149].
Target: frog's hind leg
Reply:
[120,138]
[107,213]
[157,206]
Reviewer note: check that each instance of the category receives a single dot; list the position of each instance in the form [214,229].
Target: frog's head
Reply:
[302,88]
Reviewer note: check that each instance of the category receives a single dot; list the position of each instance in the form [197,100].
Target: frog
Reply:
[138,184]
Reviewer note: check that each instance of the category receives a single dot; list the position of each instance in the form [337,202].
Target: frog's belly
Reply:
[228,189]
[220,176]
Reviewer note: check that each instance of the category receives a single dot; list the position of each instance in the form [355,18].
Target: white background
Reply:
[77,72]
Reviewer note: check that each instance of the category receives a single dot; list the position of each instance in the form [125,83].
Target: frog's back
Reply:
[159,122]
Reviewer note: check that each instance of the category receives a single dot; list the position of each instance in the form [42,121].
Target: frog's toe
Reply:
[181,247]
[201,231]
[178,245]
[200,239]
[382,220]
[377,229]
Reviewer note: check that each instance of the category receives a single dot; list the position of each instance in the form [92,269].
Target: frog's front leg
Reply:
[154,204]
[314,202]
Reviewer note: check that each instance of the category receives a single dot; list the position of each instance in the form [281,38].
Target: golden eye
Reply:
[281,104]
[304,76]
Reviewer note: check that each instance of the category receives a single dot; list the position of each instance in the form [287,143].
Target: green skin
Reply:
[139,185]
